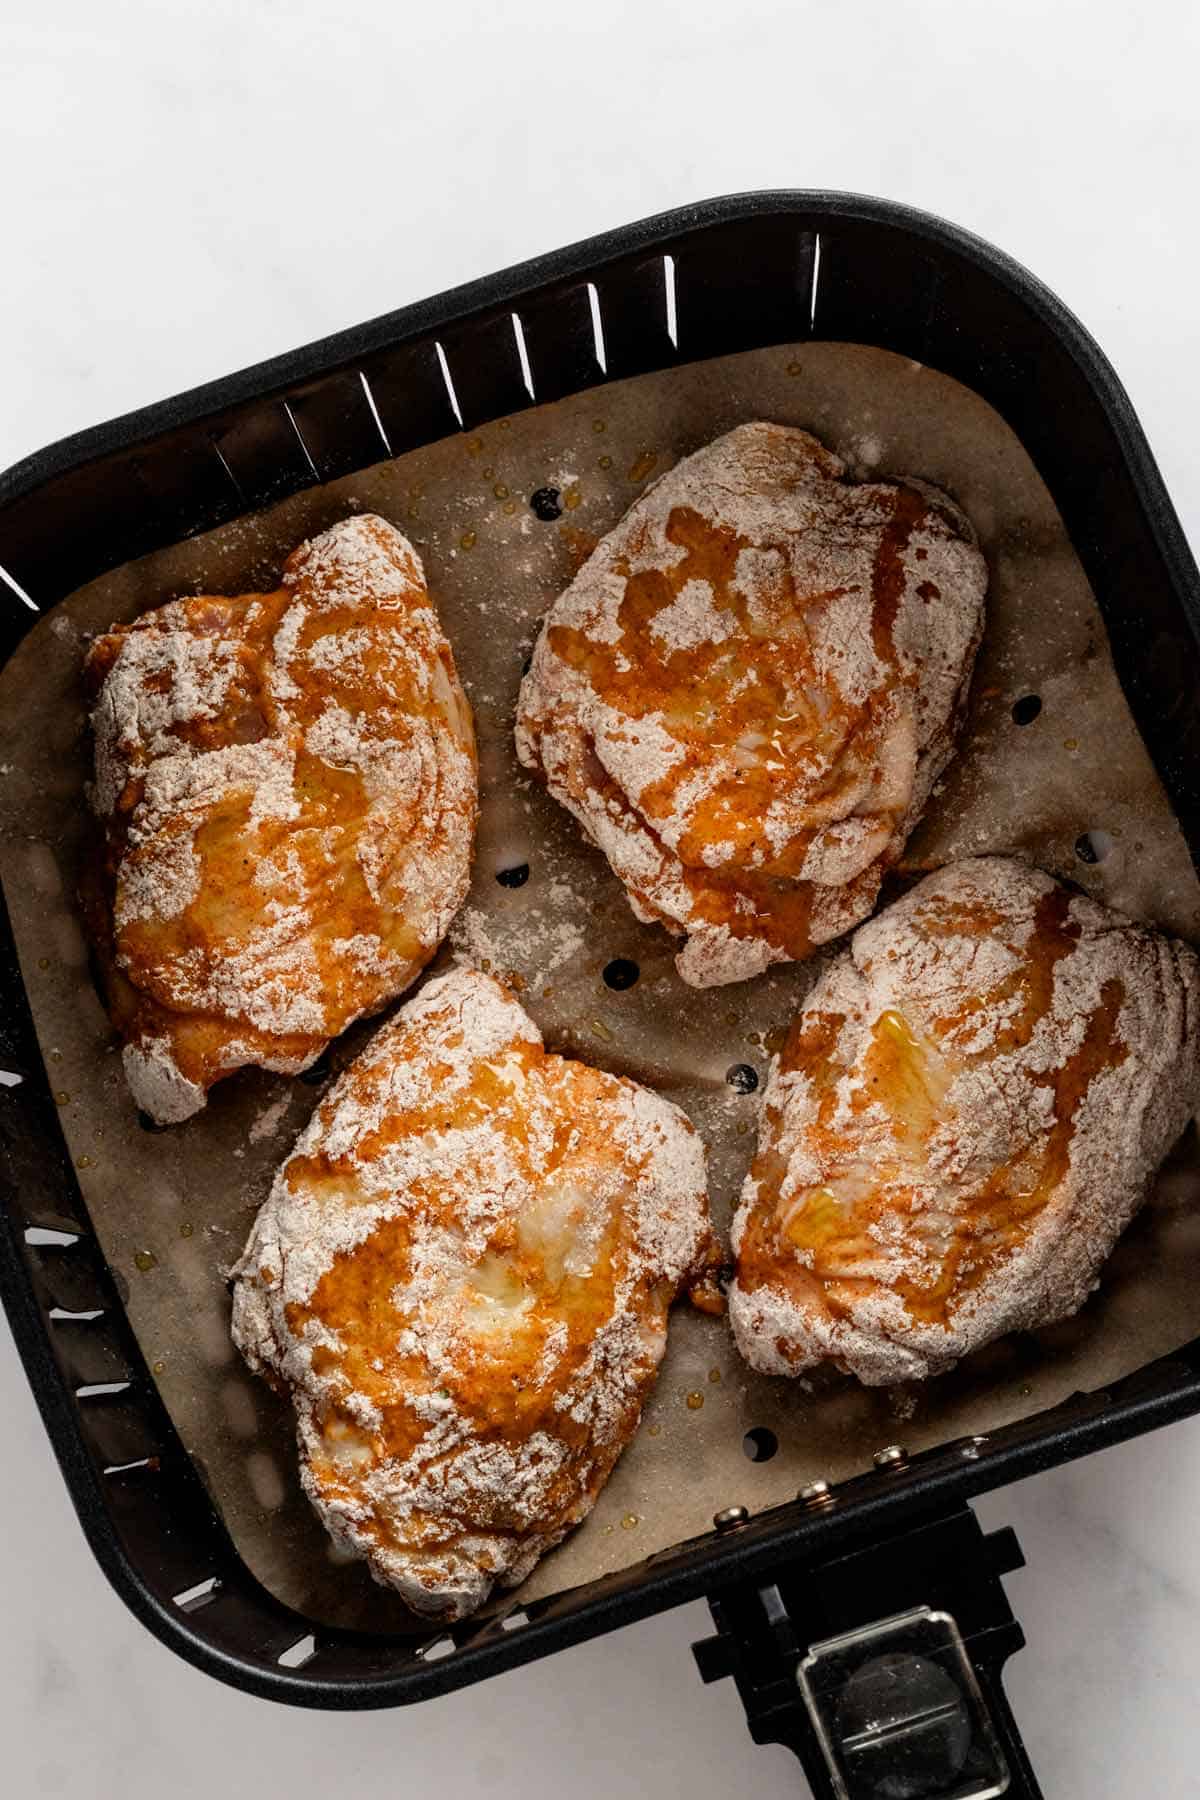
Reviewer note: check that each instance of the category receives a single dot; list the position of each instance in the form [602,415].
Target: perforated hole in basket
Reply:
[760,1444]
[1094,847]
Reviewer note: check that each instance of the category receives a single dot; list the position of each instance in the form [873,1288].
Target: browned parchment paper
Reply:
[172,1208]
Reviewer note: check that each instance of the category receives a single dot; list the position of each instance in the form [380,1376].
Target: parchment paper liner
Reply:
[182,1200]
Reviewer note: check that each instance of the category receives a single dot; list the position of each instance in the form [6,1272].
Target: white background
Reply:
[187,188]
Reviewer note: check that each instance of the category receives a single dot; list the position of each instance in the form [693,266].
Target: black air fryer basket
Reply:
[887,1572]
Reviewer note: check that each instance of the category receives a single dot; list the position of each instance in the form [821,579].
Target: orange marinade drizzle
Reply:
[493,1383]
[220,920]
[909,1078]
[803,721]
[996,1221]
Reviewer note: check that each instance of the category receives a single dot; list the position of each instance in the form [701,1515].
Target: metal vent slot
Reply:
[411,396]
[70,1279]
[631,300]
[265,455]
[63,1316]
[338,424]
[131,1468]
[444,366]
[297,1654]
[215,447]
[669,294]
[10,1078]
[597,325]
[489,379]
[192,1598]
[439,1648]
[857,297]
[184,489]
[366,388]
[14,587]
[40,1237]
[560,340]
[721,308]
[523,355]
[100,1390]
[121,1431]
[315,472]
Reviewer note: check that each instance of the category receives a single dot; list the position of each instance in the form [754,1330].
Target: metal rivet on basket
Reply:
[731,1518]
[815,1493]
[890,1457]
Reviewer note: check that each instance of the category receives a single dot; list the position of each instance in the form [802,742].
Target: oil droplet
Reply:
[599,425]
[639,470]
[572,498]
[83,1162]
[731,1018]
[775,1040]
[489,474]
[743,1127]
[62,1098]
[500,491]
[795,368]
[1024,1390]
[505,425]
[145,1260]
[416,490]
[653,1430]
[1070,743]
[714,1374]
[695,1402]
[754,1037]
[99,1131]
[608,1531]
[56,1056]
[43,962]
[629,1522]
[157,1368]
[605,462]
[467,540]
[601,1030]
[510,506]
[187,1228]
[474,446]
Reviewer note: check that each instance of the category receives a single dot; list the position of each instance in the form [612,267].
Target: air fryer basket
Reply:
[729,275]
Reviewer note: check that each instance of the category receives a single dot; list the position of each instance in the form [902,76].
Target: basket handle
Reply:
[881,1669]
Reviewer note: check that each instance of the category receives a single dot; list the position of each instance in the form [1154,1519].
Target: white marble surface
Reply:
[189,187]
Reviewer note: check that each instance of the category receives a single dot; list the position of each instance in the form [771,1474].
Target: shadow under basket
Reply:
[894,1551]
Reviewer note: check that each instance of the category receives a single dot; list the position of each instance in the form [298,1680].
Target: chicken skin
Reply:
[287,790]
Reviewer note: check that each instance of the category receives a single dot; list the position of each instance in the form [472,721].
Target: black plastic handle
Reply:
[881,1669]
